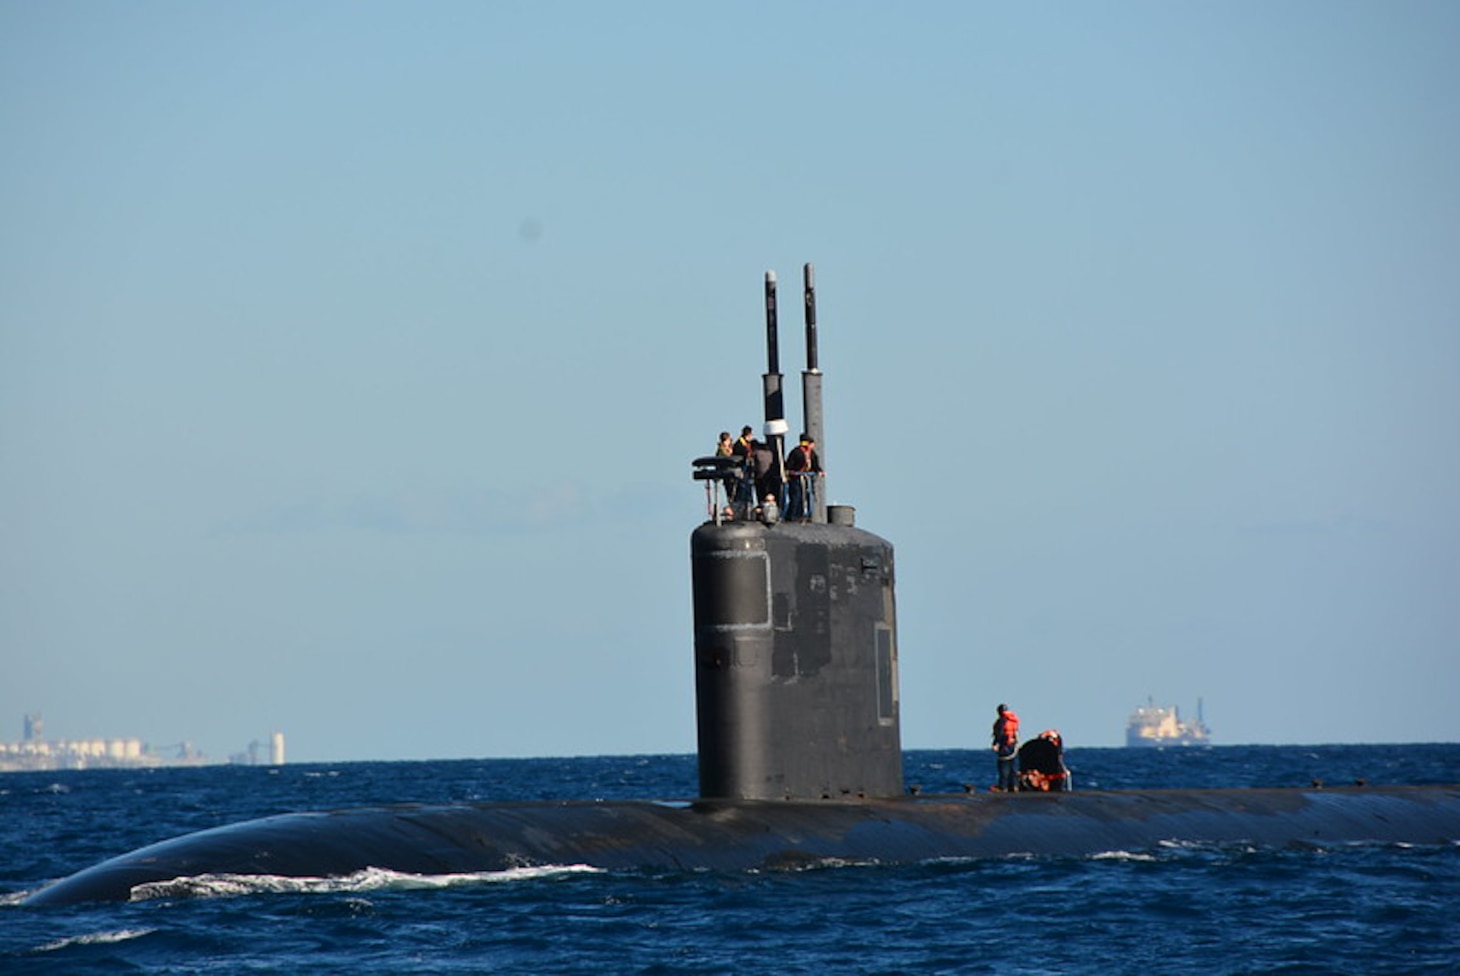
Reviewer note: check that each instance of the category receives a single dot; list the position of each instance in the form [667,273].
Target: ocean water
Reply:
[1171,909]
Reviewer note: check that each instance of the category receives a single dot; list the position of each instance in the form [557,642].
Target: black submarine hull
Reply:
[741,835]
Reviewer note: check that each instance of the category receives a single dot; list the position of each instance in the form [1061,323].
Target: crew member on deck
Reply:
[743,444]
[732,477]
[1042,764]
[740,483]
[766,468]
[1006,748]
[802,464]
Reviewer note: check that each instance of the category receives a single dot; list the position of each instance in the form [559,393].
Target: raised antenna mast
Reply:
[775,409]
[811,392]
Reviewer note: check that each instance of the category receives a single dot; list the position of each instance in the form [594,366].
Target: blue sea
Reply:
[1172,909]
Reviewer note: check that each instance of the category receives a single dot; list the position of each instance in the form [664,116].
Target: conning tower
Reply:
[795,629]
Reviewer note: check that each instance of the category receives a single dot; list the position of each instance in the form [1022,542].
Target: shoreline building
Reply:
[36,753]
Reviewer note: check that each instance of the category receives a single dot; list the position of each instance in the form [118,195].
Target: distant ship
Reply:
[1160,725]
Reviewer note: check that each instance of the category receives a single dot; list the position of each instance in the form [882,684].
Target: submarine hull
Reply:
[740,835]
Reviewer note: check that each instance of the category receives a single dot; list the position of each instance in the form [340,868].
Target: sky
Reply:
[353,355]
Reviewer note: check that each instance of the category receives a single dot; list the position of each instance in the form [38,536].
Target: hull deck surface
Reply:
[736,835]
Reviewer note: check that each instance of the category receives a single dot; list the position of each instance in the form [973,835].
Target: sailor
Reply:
[766,470]
[1061,781]
[740,482]
[1006,748]
[745,443]
[1042,763]
[733,476]
[803,464]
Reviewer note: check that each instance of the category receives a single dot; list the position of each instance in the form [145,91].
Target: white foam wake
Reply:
[95,938]
[1122,856]
[370,879]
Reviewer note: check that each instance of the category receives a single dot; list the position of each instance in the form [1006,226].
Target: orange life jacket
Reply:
[1006,729]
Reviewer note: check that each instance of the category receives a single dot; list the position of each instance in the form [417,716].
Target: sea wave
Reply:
[370,879]
[1225,908]
[1122,856]
[95,938]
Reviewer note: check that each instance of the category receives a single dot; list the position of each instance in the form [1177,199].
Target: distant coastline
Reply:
[36,753]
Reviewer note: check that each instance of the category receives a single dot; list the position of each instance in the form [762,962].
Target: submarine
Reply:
[798,738]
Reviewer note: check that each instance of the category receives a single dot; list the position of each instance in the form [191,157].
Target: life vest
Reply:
[1033,781]
[803,459]
[1006,732]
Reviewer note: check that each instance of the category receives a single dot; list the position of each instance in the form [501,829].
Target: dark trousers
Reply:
[799,509]
[1007,778]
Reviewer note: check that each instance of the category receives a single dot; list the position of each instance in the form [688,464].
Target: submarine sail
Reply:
[795,636]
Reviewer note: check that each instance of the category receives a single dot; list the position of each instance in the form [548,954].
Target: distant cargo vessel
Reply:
[1161,725]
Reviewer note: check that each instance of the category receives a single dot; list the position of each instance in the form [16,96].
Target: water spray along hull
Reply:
[739,835]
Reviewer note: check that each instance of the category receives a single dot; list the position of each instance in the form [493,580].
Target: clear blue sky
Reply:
[352,356]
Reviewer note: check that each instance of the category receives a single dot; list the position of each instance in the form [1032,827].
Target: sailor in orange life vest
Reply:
[1006,747]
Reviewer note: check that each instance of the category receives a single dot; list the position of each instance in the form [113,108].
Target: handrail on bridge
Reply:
[730,493]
